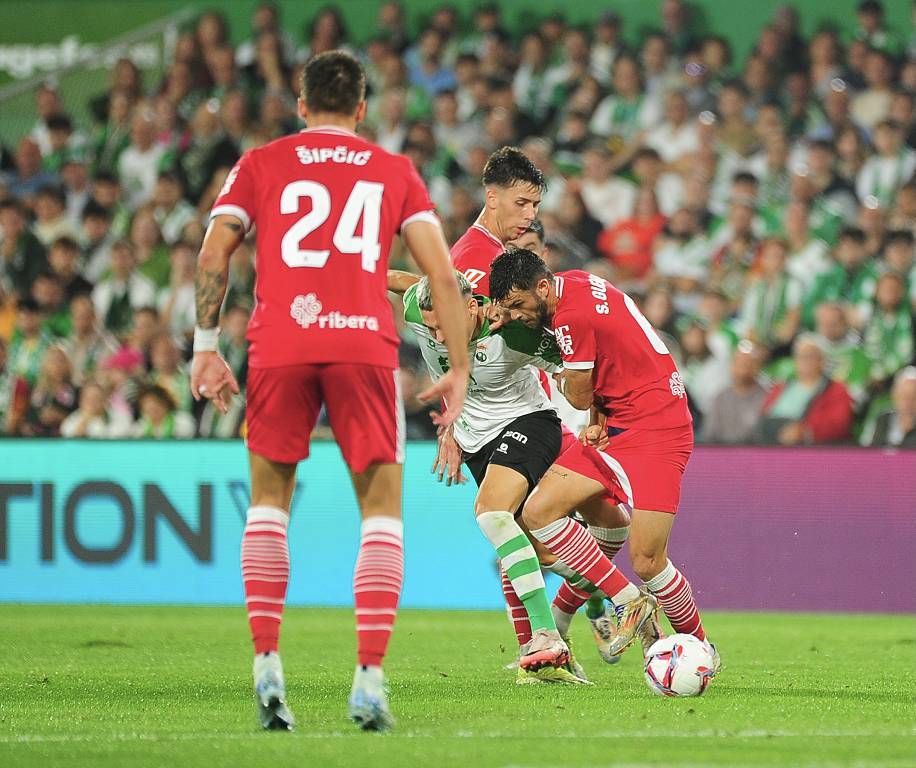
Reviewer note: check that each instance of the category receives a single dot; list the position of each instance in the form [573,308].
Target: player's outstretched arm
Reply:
[399,281]
[211,376]
[427,245]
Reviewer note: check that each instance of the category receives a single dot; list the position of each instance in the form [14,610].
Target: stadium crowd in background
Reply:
[762,212]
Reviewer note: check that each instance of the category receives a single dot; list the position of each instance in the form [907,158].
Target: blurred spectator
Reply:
[28,176]
[896,427]
[176,302]
[851,280]
[23,255]
[19,365]
[846,361]
[676,138]
[159,417]
[427,69]
[734,413]
[628,244]
[49,294]
[96,239]
[168,370]
[609,199]
[141,161]
[170,209]
[47,105]
[53,397]
[890,168]
[63,258]
[809,407]
[808,255]
[264,18]
[900,257]
[151,254]
[93,419]
[210,148]
[623,117]
[106,192]
[126,78]
[119,374]
[75,177]
[705,371]
[771,312]
[873,104]
[114,136]
[124,291]
[872,30]
[87,345]
[888,335]
[51,220]
[607,46]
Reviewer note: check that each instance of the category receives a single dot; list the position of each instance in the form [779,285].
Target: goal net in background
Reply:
[80,71]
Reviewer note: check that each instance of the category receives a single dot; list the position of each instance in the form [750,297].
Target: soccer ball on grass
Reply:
[679,665]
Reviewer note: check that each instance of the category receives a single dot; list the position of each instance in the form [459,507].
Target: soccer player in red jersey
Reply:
[636,449]
[513,187]
[327,205]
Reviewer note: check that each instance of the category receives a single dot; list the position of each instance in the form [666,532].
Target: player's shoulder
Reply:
[478,244]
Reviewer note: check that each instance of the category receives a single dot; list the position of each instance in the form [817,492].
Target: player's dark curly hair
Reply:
[508,166]
[333,82]
[516,270]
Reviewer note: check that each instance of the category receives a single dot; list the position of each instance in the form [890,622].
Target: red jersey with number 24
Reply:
[327,205]
[599,327]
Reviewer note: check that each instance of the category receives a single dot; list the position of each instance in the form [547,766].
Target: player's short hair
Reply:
[425,294]
[508,166]
[333,82]
[516,270]
[537,228]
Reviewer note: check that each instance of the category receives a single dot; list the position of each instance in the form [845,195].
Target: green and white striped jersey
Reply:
[503,384]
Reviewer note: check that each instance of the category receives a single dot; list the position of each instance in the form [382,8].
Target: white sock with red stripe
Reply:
[676,598]
[265,573]
[578,550]
[377,584]
[610,540]
[518,615]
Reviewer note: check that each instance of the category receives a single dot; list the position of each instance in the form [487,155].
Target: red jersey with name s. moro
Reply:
[327,205]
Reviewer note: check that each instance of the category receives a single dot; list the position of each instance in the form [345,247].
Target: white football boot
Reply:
[369,700]
[270,693]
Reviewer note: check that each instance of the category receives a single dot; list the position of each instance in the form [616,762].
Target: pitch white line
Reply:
[66,738]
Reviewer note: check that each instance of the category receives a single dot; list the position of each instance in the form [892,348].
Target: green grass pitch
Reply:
[111,687]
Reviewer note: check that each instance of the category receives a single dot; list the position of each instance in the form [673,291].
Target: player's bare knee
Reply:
[648,563]
[539,510]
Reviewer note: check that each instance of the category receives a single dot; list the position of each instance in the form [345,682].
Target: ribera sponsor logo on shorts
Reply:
[523,439]
[307,311]
[564,339]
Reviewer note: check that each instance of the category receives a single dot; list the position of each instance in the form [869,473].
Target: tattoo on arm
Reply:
[233,226]
[209,291]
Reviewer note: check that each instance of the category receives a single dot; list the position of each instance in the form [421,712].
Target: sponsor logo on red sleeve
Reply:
[564,339]
[474,276]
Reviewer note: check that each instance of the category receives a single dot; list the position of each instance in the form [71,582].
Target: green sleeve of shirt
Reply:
[533,342]
[411,307]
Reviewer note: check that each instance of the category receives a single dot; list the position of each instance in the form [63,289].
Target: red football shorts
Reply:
[363,404]
[640,467]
